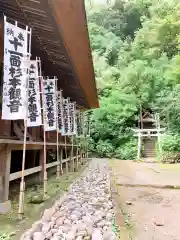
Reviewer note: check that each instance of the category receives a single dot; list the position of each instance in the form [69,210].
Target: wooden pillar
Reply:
[81,155]
[139,146]
[159,134]
[58,170]
[41,163]
[5,161]
[77,160]
[72,159]
[61,158]
[67,168]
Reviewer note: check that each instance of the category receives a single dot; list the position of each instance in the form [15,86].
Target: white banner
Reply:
[69,118]
[66,118]
[14,104]
[60,121]
[49,102]
[86,124]
[79,123]
[72,119]
[34,101]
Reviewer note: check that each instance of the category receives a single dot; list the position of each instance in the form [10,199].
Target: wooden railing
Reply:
[30,171]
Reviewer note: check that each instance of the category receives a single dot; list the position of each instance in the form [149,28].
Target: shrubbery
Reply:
[170,145]
[104,148]
[127,151]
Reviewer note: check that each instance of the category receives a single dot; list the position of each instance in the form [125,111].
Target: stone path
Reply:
[84,213]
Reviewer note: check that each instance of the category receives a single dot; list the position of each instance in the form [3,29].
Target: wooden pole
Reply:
[81,151]
[65,146]
[72,151]
[61,157]
[22,183]
[159,134]
[66,154]
[57,135]
[58,165]
[87,154]
[139,146]
[44,136]
[45,170]
[76,167]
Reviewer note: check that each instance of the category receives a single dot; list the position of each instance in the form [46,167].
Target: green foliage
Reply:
[170,143]
[104,148]
[127,151]
[135,47]
[170,157]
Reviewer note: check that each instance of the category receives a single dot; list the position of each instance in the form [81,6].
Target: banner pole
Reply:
[44,137]
[44,168]
[65,146]
[22,183]
[58,165]
[72,151]
[57,136]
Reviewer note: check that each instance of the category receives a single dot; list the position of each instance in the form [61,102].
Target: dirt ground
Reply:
[148,199]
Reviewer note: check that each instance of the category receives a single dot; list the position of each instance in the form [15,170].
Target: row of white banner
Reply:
[23,87]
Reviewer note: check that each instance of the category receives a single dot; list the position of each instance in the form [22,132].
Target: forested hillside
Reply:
[135,47]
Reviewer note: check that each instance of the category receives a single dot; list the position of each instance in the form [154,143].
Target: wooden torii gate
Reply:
[153,129]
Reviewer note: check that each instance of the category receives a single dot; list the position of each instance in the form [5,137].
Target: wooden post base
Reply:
[58,172]
[45,184]
[67,170]
[21,200]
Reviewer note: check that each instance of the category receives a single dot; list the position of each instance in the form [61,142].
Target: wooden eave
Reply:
[60,39]
[71,18]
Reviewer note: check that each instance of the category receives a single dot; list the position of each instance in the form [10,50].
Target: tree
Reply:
[135,48]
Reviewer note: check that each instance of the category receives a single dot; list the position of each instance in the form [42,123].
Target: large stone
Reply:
[71,235]
[109,235]
[59,214]
[82,233]
[46,227]
[60,221]
[97,235]
[49,234]
[38,236]
[47,215]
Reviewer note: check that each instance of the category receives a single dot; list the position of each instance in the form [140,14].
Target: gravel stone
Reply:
[84,213]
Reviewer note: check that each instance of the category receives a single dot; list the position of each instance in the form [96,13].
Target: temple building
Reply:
[60,39]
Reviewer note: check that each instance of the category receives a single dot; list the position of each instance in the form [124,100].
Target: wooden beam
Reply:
[30,171]
[31,145]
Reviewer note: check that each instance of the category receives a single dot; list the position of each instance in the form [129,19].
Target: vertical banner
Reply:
[49,102]
[14,104]
[72,117]
[60,121]
[34,102]
[80,123]
[66,119]
[86,124]
[74,120]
